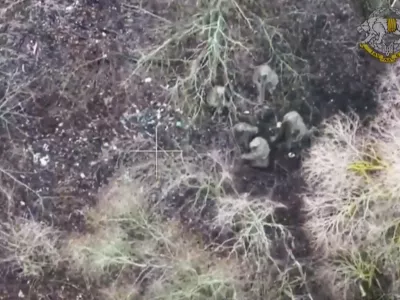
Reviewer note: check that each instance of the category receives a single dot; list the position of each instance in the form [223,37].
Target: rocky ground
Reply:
[70,118]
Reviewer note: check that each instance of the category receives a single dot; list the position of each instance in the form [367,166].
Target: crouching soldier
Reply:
[292,131]
[258,157]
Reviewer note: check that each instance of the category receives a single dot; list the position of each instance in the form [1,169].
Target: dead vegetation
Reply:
[29,247]
[352,203]
[209,49]
[132,249]
[84,84]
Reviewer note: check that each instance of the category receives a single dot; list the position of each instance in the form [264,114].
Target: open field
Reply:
[120,175]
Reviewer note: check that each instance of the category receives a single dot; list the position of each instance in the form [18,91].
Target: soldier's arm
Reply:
[283,133]
[244,133]
[251,156]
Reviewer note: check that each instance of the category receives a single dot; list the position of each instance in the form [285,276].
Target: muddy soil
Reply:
[72,135]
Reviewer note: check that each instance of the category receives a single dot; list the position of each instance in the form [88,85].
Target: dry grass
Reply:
[341,175]
[127,233]
[255,237]
[129,236]
[194,273]
[121,292]
[165,261]
[352,204]
[207,175]
[132,250]
[330,157]
[250,219]
[208,48]
[29,247]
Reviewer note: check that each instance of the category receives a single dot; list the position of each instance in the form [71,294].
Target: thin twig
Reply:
[140,9]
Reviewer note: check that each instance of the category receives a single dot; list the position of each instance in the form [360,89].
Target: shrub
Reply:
[29,246]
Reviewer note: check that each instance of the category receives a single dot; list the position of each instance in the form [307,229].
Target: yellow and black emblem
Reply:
[392,25]
[382,39]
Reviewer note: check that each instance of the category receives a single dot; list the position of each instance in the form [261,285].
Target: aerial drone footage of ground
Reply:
[86,84]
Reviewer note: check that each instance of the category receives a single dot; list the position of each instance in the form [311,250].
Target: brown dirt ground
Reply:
[82,130]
